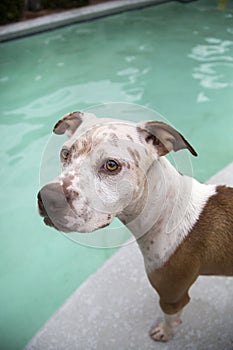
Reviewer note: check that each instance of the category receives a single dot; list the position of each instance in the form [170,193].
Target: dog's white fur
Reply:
[178,201]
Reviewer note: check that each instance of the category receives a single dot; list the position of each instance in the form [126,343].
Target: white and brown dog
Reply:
[116,168]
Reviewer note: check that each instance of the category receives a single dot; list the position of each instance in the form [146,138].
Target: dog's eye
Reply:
[65,153]
[111,165]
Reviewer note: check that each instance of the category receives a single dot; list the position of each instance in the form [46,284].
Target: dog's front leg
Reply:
[165,330]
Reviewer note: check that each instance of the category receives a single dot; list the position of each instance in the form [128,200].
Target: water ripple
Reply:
[70,96]
[215,58]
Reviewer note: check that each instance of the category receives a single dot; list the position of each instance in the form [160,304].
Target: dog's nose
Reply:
[55,203]
[51,200]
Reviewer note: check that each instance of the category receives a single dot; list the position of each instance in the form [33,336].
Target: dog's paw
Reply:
[162,332]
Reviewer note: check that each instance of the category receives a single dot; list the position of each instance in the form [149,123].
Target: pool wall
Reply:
[49,22]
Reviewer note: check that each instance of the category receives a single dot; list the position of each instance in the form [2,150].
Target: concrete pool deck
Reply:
[49,22]
[115,308]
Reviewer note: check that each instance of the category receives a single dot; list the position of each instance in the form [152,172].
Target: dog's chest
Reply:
[175,223]
[158,246]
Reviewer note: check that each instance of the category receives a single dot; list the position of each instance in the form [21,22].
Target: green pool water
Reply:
[174,58]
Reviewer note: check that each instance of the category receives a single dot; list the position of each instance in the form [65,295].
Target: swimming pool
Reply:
[174,58]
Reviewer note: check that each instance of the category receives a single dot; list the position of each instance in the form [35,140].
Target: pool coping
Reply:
[116,306]
[50,22]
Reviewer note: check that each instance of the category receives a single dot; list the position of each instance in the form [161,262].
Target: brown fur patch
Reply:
[207,250]
[69,194]
[129,137]
[85,144]
[113,139]
[81,147]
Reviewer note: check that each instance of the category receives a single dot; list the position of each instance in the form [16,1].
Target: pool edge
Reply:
[86,13]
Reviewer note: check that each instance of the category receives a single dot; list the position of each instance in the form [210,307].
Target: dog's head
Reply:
[104,169]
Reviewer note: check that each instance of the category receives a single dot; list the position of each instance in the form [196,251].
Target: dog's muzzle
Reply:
[53,206]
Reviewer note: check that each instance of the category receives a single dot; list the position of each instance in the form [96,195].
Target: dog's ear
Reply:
[164,137]
[70,122]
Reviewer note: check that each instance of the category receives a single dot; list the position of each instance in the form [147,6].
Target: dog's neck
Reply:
[166,211]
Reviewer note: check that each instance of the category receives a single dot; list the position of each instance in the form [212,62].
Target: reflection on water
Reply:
[216,59]
[62,99]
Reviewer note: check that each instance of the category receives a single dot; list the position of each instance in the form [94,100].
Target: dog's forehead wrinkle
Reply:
[119,131]
[94,123]
[91,134]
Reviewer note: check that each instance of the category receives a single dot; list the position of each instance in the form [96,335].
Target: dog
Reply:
[113,168]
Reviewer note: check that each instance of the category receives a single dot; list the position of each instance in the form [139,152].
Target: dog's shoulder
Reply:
[212,235]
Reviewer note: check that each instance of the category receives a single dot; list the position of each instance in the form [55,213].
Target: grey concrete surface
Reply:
[36,25]
[224,176]
[116,307]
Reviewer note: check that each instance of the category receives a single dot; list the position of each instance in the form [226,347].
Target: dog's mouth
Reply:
[42,211]
[55,221]
[49,222]
[56,216]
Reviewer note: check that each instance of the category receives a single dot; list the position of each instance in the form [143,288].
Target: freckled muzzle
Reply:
[53,206]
